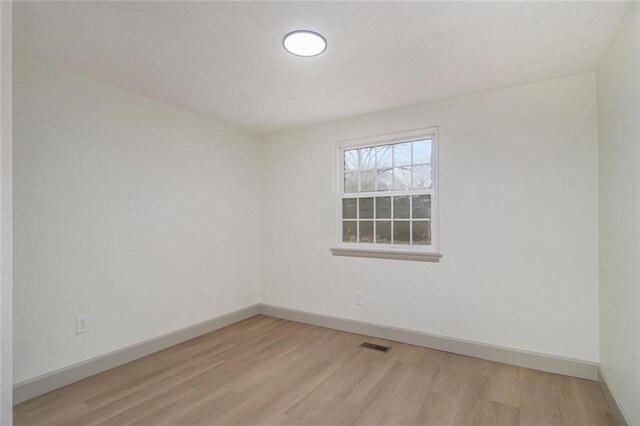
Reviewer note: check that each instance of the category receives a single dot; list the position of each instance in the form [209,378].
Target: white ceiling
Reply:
[226,59]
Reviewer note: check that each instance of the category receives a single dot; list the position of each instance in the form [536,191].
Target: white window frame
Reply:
[390,251]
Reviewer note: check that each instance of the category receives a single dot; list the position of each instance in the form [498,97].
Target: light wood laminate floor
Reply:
[270,371]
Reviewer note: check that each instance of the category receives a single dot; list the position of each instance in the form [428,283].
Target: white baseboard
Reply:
[619,415]
[42,384]
[56,379]
[537,361]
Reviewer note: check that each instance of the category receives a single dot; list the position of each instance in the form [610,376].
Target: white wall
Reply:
[6,225]
[142,215]
[618,83]
[518,210]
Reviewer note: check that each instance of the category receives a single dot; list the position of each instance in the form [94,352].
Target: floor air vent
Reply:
[376,347]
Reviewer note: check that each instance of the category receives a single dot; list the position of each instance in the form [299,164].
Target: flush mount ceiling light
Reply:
[304,43]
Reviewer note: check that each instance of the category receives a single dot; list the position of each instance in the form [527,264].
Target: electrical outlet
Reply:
[359,298]
[82,324]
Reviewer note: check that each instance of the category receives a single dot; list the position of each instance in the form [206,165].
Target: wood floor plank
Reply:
[147,406]
[550,399]
[397,398]
[435,410]
[483,412]
[268,371]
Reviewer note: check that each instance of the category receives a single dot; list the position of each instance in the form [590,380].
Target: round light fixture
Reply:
[304,43]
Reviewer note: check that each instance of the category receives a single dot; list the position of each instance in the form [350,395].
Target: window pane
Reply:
[351,182]
[349,208]
[421,206]
[384,155]
[402,154]
[402,178]
[422,151]
[349,231]
[401,232]
[421,232]
[367,181]
[383,208]
[384,179]
[351,160]
[366,208]
[401,208]
[390,177]
[366,231]
[422,177]
[367,158]
[383,232]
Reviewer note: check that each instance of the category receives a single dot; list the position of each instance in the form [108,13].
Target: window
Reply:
[387,196]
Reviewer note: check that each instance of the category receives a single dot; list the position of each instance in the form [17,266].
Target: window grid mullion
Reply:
[393,180]
[375,178]
[392,222]
[411,172]
[399,193]
[375,214]
[411,216]
[358,221]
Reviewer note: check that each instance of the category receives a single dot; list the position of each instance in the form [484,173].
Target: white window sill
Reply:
[416,255]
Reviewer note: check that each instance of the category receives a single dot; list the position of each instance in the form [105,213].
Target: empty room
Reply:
[319,213]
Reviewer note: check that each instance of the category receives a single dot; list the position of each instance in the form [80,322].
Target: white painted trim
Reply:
[6,216]
[338,185]
[422,256]
[534,360]
[56,379]
[42,384]
[619,415]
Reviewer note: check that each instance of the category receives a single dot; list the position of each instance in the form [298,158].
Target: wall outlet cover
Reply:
[82,324]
